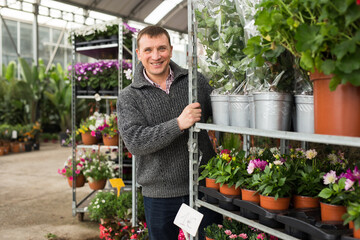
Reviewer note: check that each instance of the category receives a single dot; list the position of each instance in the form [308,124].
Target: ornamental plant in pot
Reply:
[308,178]
[209,173]
[228,167]
[275,184]
[88,128]
[325,36]
[353,215]
[68,171]
[97,169]
[109,130]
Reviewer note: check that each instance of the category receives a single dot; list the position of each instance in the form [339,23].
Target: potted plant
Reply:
[88,128]
[103,206]
[353,215]
[209,173]
[109,130]
[308,178]
[68,171]
[97,169]
[324,36]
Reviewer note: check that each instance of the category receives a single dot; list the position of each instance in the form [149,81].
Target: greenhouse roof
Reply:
[170,14]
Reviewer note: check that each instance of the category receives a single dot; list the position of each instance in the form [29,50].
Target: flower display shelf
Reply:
[101,49]
[224,201]
[300,225]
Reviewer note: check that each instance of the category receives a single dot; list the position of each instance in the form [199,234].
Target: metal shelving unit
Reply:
[193,138]
[99,51]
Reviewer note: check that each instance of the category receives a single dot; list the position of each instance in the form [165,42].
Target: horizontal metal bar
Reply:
[97,146]
[96,47]
[307,137]
[92,97]
[246,221]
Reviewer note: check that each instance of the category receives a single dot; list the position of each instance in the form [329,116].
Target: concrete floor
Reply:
[35,200]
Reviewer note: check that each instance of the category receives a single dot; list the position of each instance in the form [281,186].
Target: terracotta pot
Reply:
[22,147]
[302,202]
[225,189]
[356,233]
[208,238]
[210,183]
[97,185]
[80,181]
[250,195]
[2,150]
[15,147]
[331,212]
[87,139]
[351,225]
[335,112]
[111,141]
[270,203]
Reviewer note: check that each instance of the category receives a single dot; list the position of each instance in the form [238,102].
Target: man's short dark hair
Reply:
[152,31]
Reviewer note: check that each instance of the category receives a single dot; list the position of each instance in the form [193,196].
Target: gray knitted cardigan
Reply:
[147,123]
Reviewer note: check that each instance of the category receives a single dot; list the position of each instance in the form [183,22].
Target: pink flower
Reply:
[243,236]
[133,236]
[348,184]
[77,171]
[93,133]
[220,226]
[232,236]
[227,232]
[261,236]
[70,178]
[273,237]
[358,2]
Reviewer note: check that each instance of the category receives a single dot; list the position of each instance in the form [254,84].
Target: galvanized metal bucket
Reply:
[220,108]
[304,121]
[239,110]
[251,111]
[272,110]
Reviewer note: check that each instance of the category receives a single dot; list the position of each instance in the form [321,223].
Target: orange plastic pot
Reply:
[351,225]
[208,238]
[270,203]
[331,212]
[2,151]
[80,181]
[87,139]
[250,195]
[356,233]
[335,112]
[15,147]
[225,189]
[303,202]
[111,141]
[210,183]
[97,185]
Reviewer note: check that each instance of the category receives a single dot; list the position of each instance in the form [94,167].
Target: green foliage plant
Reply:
[103,206]
[353,214]
[335,192]
[324,34]
[97,166]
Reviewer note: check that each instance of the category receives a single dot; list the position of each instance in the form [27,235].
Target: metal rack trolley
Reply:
[101,51]
[193,139]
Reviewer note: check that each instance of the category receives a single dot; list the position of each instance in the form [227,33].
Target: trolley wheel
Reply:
[80,216]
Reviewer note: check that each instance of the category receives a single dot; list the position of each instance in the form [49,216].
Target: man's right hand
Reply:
[190,115]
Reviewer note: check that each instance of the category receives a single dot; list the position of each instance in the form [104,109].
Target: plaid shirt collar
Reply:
[169,81]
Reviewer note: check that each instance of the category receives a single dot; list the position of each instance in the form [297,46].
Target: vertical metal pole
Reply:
[134,218]
[120,86]
[73,117]
[36,33]
[193,136]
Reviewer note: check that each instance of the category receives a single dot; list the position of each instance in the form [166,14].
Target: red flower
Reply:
[133,236]
[358,2]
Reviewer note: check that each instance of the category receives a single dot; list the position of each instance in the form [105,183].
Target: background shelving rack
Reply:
[193,138]
[101,51]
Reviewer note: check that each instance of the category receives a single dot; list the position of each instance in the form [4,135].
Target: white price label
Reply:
[188,219]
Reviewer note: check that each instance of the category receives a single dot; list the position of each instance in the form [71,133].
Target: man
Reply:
[154,115]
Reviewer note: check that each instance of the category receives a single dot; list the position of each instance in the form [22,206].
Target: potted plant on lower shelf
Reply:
[68,171]
[353,215]
[97,169]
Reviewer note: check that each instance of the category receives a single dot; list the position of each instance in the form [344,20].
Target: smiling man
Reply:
[154,115]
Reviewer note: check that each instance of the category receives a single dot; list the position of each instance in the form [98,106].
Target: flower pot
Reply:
[207,238]
[239,110]
[220,108]
[97,185]
[210,183]
[356,233]
[304,121]
[22,147]
[331,212]
[250,195]
[15,147]
[111,141]
[2,150]
[303,202]
[80,181]
[272,110]
[225,189]
[335,112]
[87,139]
[270,203]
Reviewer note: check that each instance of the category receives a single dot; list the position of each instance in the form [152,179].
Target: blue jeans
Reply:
[161,212]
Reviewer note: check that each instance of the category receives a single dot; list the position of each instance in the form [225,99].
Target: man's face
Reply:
[155,53]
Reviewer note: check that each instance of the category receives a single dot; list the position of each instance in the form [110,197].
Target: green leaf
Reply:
[352,15]
[267,190]
[341,49]
[328,66]
[282,181]
[308,37]
[334,82]
[325,193]
[306,61]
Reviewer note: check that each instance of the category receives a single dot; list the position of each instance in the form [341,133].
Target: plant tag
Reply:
[188,219]
[14,134]
[117,183]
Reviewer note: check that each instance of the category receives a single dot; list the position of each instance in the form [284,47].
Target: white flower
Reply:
[128,74]
[250,168]
[98,206]
[103,201]
[330,177]
[310,154]
[86,208]
[278,162]
[97,97]
[92,127]
[348,184]
[90,179]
